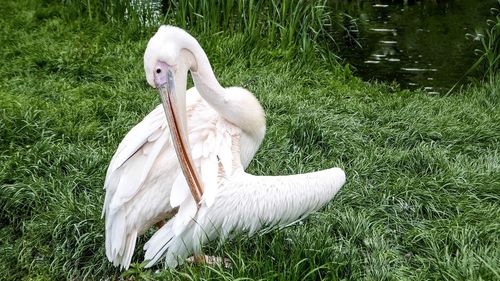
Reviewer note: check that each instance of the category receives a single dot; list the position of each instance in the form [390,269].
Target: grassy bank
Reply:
[422,199]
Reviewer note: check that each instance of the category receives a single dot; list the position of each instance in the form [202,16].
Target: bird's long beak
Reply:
[176,116]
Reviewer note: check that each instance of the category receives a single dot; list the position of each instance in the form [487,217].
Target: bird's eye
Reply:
[158,70]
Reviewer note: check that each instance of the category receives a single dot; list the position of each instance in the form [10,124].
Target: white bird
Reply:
[144,183]
[225,127]
[224,199]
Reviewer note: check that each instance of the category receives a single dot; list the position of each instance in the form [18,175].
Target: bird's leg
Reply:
[160,224]
[210,260]
[168,216]
[200,259]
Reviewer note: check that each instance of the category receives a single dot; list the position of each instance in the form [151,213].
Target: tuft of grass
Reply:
[489,54]
[421,201]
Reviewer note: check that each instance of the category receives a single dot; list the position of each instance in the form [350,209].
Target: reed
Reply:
[292,24]
[489,51]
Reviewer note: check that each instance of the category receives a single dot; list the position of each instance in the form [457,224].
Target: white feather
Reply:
[187,212]
[153,250]
[225,154]
[180,191]
[197,150]
[209,167]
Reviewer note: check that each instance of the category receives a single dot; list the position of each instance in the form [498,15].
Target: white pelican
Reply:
[225,126]
[144,183]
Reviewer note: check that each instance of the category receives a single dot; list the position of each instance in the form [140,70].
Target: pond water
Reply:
[418,44]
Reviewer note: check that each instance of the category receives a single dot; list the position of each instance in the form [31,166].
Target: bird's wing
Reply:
[134,157]
[244,203]
[128,170]
[144,180]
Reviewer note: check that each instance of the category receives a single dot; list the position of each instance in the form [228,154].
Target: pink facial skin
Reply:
[160,73]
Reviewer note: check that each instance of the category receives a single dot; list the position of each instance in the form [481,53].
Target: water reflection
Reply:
[420,44]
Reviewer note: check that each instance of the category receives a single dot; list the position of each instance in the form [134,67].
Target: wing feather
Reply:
[180,191]
[209,167]
[137,137]
[187,212]
[247,203]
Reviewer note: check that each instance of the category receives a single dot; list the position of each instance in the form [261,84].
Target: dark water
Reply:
[418,44]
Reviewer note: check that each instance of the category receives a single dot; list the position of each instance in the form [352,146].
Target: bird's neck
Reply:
[230,106]
[204,79]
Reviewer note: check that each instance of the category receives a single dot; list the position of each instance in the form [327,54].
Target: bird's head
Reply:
[167,60]
[168,50]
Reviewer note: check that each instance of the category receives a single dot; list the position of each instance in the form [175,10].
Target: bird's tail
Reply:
[120,242]
[175,248]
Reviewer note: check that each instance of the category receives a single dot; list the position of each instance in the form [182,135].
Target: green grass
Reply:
[422,199]
[489,54]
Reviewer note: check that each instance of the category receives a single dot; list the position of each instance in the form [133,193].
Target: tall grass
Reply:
[106,10]
[291,24]
[490,53]
[488,61]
